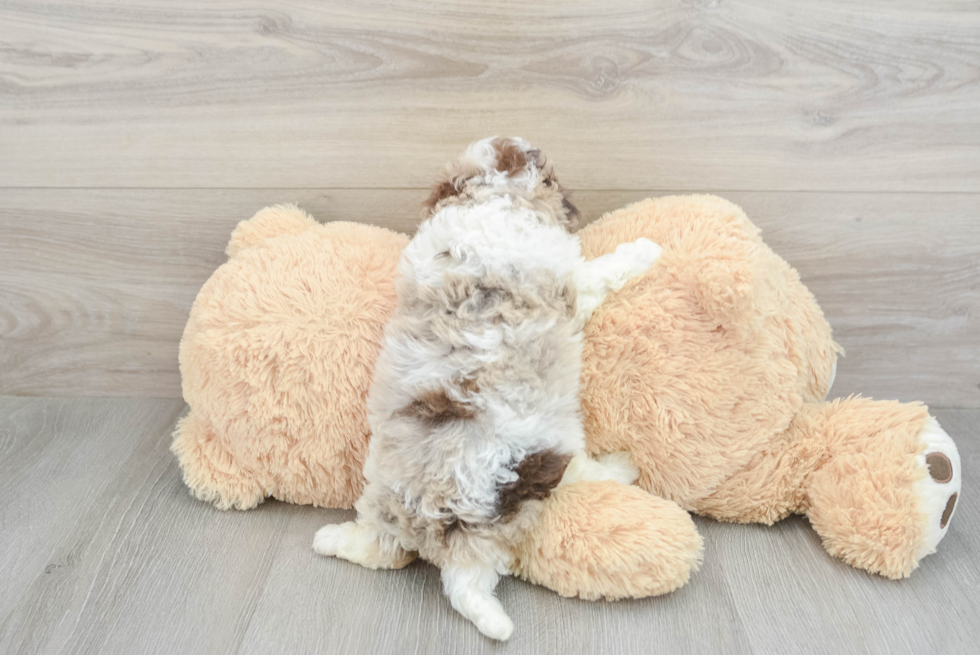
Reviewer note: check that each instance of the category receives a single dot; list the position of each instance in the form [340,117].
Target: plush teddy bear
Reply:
[710,370]
[276,362]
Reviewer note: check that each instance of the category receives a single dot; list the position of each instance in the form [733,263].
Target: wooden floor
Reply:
[135,134]
[102,550]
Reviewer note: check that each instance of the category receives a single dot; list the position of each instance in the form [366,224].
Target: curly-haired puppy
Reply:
[474,410]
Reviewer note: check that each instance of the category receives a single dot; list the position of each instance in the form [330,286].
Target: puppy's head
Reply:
[503,166]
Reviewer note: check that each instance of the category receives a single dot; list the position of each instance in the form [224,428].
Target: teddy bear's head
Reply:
[277,357]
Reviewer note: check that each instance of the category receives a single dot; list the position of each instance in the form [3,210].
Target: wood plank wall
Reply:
[134,135]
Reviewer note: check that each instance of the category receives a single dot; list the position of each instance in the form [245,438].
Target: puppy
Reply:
[474,407]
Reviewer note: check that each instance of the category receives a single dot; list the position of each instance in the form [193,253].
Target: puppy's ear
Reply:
[441,191]
[572,215]
[541,162]
[454,179]
[548,179]
[511,157]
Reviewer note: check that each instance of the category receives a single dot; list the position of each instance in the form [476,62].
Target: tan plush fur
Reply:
[696,367]
[603,540]
[276,361]
[711,371]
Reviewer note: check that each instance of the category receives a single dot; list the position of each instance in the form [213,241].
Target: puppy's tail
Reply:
[470,590]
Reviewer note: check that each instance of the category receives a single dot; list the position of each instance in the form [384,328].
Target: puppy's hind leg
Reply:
[470,590]
[362,544]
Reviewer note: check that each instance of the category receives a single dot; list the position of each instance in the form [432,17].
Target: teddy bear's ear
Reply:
[267,223]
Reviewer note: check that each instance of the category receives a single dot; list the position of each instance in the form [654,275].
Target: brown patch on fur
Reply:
[940,468]
[537,475]
[443,190]
[510,158]
[438,407]
[494,299]
[453,180]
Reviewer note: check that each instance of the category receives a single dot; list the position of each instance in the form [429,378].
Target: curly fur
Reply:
[474,408]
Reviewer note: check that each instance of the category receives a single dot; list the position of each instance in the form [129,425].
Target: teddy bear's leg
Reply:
[879,481]
[602,539]
[884,496]
[210,471]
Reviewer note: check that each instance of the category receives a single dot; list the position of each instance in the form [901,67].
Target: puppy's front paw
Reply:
[646,252]
[638,256]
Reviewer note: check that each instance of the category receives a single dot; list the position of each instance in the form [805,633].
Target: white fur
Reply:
[612,466]
[470,591]
[358,544]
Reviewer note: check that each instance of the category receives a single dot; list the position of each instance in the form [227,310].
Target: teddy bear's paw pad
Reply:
[940,468]
[948,512]
[939,489]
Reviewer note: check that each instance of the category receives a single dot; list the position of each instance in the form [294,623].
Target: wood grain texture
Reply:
[744,94]
[102,550]
[96,285]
